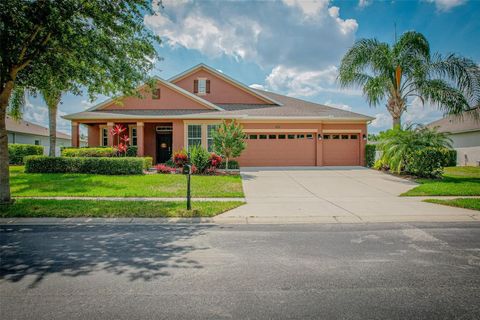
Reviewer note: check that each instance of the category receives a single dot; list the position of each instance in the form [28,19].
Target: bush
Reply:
[180,158]
[199,157]
[370,150]
[170,163]
[427,162]
[147,162]
[232,164]
[162,168]
[95,165]
[89,152]
[131,151]
[450,157]
[16,152]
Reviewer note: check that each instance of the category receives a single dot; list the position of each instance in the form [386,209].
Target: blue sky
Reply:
[294,46]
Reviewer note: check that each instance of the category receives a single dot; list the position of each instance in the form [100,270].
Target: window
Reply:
[194,135]
[37,142]
[353,136]
[211,128]
[309,136]
[291,136]
[300,136]
[344,136]
[156,93]
[272,136]
[104,137]
[326,136]
[281,136]
[133,136]
[253,137]
[263,136]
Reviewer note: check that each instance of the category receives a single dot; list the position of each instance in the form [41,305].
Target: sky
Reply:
[294,47]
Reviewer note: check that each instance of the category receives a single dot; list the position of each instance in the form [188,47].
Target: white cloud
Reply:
[257,86]
[338,105]
[446,5]
[421,113]
[364,3]
[38,114]
[382,121]
[308,8]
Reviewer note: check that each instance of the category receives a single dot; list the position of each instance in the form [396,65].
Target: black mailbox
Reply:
[187,169]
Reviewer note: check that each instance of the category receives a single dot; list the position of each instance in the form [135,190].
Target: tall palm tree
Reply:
[405,70]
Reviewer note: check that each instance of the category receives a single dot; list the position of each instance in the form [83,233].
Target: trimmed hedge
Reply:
[88,152]
[428,162]
[370,150]
[95,165]
[16,152]
[147,162]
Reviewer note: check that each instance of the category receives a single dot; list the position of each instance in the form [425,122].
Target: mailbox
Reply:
[187,169]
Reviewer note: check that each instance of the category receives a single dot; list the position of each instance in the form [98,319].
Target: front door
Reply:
[164,147]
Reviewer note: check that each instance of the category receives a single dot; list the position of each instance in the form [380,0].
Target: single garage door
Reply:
[279,149]
[341,149]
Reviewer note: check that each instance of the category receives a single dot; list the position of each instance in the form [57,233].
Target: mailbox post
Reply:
[187,170]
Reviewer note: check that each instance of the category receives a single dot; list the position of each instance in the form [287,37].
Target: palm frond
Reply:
[446,97]
[16,103]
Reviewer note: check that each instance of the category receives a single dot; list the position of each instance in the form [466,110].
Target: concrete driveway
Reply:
[334,194]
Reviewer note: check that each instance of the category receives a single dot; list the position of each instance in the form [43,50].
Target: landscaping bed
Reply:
[94,185]
[455,181]
[29,208]
[467,203]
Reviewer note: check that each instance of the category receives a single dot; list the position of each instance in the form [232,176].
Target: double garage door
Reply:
[299,149]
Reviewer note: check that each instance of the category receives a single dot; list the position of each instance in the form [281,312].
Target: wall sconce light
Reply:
[319,136]
[364,137]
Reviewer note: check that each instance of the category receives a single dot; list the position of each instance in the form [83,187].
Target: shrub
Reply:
[427,162]
[16,152]
[95,165]
[89,152]
[180,158]
[162,168]
[170,163]
[232,164]
[214,161]
[131,151]
[370,150]
[199,157]
[147,162]
[450,157]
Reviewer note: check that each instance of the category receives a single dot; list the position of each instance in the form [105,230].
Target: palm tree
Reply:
[405,70]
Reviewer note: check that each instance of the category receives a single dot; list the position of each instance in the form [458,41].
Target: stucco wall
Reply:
[468,156]
[43,141]
[466,139]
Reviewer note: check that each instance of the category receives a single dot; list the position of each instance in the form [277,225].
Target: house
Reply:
[465,134]
[183,111]
[29,133]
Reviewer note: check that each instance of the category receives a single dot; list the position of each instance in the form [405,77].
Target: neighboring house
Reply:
[29,133]
[465,134]
[183,111]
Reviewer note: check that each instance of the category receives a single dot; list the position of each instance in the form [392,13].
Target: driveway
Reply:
[334,194]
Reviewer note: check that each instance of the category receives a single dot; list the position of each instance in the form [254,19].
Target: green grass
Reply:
[456,181]
[468,203]
[90,185]
[113,209]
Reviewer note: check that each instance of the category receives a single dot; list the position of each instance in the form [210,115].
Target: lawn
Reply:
[90,185]
[468,203]
[113,209]
[456,181]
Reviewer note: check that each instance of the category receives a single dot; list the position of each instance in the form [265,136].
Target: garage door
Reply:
[341,150]
[279,149]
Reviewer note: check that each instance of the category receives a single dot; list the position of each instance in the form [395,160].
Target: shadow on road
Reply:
[139,252]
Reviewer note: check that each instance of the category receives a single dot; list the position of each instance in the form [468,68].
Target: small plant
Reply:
[122,141]
[180,158]
[199,157]
[215,160]
[162,168]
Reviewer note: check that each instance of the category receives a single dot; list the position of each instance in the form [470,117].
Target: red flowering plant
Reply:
[214,160]
[180,158]
[122,141]
[162,168]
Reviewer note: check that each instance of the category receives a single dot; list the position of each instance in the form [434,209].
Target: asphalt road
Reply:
[375,271]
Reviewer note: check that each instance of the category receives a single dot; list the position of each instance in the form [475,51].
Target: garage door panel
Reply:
[279,152]
[341,152]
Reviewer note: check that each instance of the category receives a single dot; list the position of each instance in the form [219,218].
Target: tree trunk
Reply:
[397,121]
[396,107]
[52,126]
[226,164]
[4,168]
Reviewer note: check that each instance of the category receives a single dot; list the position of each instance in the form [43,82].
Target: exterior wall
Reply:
[221,91]
[466,139]
[22,138]
[93,135]
[468,156]
[169,99]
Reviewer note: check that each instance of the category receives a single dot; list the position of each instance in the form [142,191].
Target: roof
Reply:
[26,127]
[467,122]
[284,108]
[225,77]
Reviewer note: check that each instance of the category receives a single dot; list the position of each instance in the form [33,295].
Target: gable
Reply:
[222,89]
[170,98]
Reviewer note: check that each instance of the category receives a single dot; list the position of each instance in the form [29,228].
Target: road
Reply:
[323,271]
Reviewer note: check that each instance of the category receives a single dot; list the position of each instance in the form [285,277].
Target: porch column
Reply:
[109,134]
[140,140]
[75,134]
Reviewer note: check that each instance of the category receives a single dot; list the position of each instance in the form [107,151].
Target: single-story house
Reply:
[465,134]
[183,111]
[25,132]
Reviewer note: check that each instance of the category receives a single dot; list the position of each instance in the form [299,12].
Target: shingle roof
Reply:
[23,126]
[457,124]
